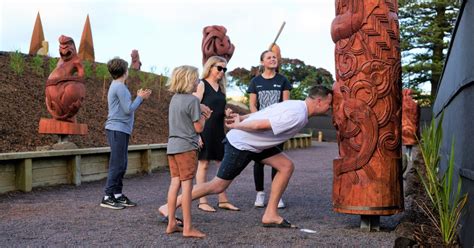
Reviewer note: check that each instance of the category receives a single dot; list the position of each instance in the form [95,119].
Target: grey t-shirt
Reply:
[184,110]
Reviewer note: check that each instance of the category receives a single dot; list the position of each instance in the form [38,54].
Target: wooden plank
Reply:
[45,174]
[74,166]
[146,161]
[94,177]
[24,175]
[7,178]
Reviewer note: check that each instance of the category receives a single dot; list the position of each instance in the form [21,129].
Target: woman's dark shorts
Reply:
[235,160]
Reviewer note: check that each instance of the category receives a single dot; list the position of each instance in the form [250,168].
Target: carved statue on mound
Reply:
[136,63]
[216,42]
[410,119]
[367,108]
[65,89]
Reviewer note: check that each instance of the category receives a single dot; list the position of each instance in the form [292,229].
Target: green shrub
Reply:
[17,62]
[448,203]
[87,69]
[37,65]
[101,71]
[52,63]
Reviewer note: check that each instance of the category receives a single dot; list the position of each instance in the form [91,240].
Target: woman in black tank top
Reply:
[211,92]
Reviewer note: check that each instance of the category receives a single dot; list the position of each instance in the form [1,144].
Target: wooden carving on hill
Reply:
[410,119]
[367,108]
[216,42]
[65,91]
[136,63]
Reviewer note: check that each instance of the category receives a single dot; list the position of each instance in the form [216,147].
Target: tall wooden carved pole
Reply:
[367,110]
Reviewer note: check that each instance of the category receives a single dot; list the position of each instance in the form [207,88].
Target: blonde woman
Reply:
[186,120]
[211,92]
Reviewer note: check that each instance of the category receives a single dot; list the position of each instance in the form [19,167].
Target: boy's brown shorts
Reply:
[183,165]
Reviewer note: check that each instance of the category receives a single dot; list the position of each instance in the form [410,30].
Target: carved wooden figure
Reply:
[410,119]
[367,108]
[65,89]
[216,42]
[136,63]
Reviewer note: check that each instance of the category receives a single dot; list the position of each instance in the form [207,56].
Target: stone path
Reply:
[71,216]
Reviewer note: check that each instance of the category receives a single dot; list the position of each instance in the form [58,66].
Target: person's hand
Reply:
[232,121]
[200,143]
[228,112]
[205,111]
[144,93]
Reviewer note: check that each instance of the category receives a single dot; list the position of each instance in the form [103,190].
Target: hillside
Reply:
[22,105]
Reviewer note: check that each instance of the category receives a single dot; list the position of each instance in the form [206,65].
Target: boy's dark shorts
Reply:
[235,160]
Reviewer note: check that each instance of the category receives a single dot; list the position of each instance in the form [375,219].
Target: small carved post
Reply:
[367,110]
[136,63]
[410,121]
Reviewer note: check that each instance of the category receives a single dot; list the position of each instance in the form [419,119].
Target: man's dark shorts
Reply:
[235,160]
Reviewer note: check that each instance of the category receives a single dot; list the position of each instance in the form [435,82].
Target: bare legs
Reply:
[188,229]
[201,177]
[284,168]
[217,185]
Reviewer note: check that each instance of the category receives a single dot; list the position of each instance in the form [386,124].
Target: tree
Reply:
[425,30]
[302,77]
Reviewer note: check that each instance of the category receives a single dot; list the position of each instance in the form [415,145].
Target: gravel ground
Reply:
[71,216]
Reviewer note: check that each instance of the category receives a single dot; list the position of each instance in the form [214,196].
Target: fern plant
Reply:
[17,62]
[37,65]
[448,203]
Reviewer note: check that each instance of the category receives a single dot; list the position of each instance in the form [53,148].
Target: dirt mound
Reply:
[23,104]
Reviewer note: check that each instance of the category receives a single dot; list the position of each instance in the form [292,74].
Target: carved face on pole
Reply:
[67,48]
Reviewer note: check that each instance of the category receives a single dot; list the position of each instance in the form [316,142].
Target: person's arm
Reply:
[199,125]
[125,100]
[253,102]
[249,126]
[286,95]
[199,91]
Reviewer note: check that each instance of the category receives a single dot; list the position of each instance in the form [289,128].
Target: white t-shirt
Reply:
[286,119]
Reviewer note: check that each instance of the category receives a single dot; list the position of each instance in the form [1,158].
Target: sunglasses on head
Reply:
[220,68]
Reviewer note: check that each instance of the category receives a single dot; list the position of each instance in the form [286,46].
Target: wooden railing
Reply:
[26,170]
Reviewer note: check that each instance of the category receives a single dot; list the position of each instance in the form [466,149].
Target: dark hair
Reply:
[263,54]
[319,90]
[117,67]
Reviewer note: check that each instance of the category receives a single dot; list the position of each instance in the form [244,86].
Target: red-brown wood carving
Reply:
[410,119]
[216,42]
[367,108]
[65,90]
[136,63]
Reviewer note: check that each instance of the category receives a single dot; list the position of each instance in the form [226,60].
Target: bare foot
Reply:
[272,219]
[163,210]
[173,228]
[193,233]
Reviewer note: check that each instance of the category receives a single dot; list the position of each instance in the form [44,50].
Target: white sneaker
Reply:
[281,204]
[260,200]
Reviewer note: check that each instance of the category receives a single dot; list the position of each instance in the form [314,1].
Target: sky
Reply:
[168,33]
